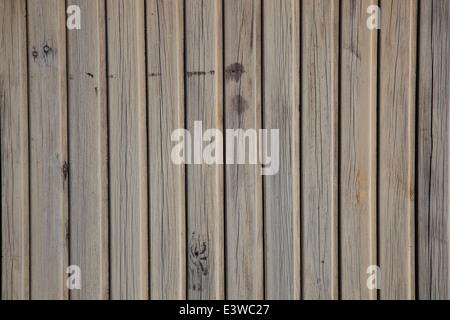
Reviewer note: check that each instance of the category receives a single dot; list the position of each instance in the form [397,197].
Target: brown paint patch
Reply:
[239,104]
[361,190]
[362,179]
[195,73]
[234,71]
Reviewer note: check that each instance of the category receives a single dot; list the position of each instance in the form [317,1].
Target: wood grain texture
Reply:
[88,179]
[433,134]
[358,147]
[48,149]
[127,150]
[166,180]
[242,100]
[88,153]
[14,150]
[396,148]
[204,72]
[320,60]
[281,85]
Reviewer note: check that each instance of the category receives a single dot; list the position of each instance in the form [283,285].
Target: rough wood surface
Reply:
[127,150]
[49,170]
[204,72]
[281,110]
[166,114]
[88,156]
[433,169]
[242,101]
[14,150]
[358,147]
[320,61]
[396,132]
[88,179]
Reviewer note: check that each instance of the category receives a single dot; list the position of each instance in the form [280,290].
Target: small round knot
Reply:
[35,53]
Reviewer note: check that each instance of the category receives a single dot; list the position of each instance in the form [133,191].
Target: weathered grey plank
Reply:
[88,152]
[14,150]
[281,94]
[358,147]
[433,224]
[320,60]
[127,150]
[48,149]
[396,125]
[242,97]
[166,114]
[203,49]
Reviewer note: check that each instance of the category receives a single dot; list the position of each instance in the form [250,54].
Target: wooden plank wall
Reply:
[433,133]
[319,128]
[127,149]
[49,168]
[88,183]
[14,151]
[281,111]
[242,101]
[87,135]
[165,96]
[358,142]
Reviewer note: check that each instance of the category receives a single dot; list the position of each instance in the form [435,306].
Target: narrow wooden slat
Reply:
[433,151]
[127,150]
[48,149]
[281,111]
[358,141]
[88,150]
[396,125]
[320,60]
[244,212]
[203,50]
[166,114]
[14,150]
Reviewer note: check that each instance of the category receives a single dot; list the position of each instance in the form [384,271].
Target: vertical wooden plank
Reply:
[281,65]
[88,150]
[433,151]
[396,148]
[48,149]
[127,150]
[358,141]
[203,49]
[244,212]
[14,150]
[320,60]
[166,114]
